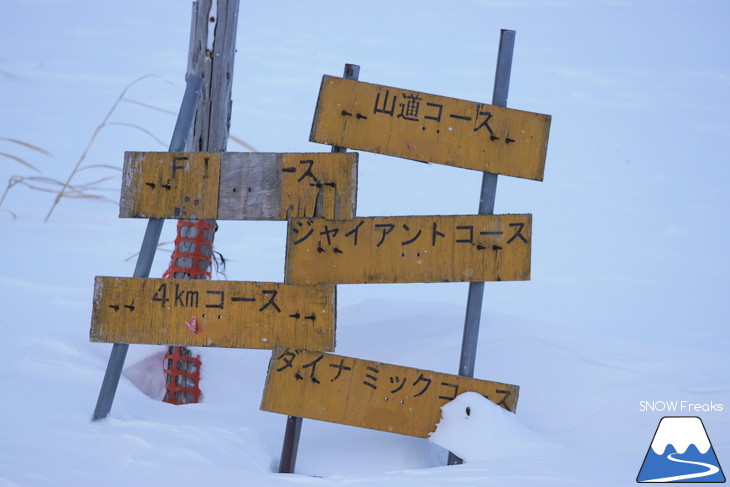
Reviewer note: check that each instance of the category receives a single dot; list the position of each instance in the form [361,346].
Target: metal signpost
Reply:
[472,248]
[327,244]
[293,430]
[149,246]
[486,207]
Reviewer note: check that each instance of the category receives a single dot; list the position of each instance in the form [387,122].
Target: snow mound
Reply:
[476,429]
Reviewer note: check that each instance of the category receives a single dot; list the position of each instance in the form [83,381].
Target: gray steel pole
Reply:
[290,447]
[486,207]
[147,250]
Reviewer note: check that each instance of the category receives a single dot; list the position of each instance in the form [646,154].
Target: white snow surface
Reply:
[627,300]
[680,432]
[476,429]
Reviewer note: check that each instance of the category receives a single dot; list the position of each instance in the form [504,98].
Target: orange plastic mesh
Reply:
[182,373]
[191,259]
[193,254]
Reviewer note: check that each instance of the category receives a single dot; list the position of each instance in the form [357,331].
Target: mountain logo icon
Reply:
[680,452]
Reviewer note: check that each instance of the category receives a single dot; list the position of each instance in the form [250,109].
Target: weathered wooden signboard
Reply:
[430,128]
[238,185]
[213,313]
[459,248]
[367,394]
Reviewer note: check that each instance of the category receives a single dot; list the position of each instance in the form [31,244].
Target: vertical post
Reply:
[147,250]
[486,207]
[290,447]
[211,55]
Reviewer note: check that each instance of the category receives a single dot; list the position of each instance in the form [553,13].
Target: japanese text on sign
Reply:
[212,313]
[368,394]
[430,128]
[238,185]
[319,185]
[170,185]
[409,249]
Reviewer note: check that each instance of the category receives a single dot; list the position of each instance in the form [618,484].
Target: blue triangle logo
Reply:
[680,452]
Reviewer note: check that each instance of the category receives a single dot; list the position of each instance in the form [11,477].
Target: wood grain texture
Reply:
[250,186]
[319,184]
[227,313]
[181,185]
[215,66]
[430,128]
[239,185]
[459,248]
[368,394]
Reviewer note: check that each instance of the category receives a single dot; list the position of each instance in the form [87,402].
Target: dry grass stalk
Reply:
[104,123]
[87,190]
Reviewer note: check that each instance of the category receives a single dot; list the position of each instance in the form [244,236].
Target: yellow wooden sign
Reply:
[430,128]
[238,185]
[461,248]
[368,394]
[213,313]
[319,184]
[170,185]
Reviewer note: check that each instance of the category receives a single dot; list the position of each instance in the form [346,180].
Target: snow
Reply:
[476,429]
[628,297]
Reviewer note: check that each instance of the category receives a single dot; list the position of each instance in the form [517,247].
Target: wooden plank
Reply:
[368,394]
[460,248]
[430,128]
[319,180]
[170,185]
[248,185]
[227,313]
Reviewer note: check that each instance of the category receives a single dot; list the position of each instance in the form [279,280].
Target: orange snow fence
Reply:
[191,259]
[193,254]
[182,373]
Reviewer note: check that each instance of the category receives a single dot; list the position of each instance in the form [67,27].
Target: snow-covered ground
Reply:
[628,302]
